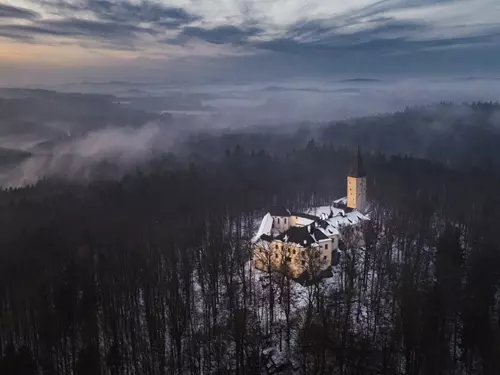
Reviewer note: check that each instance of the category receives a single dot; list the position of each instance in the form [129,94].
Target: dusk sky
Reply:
[43,41]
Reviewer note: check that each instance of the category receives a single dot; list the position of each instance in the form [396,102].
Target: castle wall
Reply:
[292,258]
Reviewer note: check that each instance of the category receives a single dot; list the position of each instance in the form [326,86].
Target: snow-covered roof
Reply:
[303,221]
[319,235]
[304,215]
[341,201]
[324,211]
[344,221]
[317,224]
[329,231]
[338,216]
[265,227]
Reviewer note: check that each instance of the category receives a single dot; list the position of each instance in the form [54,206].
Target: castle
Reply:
[306,245]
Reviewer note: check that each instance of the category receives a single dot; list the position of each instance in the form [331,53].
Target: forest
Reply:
[151,273]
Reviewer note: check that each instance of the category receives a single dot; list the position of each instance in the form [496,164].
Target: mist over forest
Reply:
[127,211]
[85,135]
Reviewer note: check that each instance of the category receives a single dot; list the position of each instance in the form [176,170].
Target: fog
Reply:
[76,159]
[108,145]
[311,100]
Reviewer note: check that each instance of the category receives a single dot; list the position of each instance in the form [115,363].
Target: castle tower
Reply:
[356,185]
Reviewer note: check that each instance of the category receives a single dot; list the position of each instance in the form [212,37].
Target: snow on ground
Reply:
[362,313]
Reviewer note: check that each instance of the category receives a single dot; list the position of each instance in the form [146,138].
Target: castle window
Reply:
[285,220]
[278,220]
[293,251]
[326,246]
[276,255]
[324,257]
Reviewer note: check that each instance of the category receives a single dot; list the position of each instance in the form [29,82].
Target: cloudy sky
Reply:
[71,40]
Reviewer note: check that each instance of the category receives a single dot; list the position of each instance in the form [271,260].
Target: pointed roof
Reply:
[357,169]
[279,211]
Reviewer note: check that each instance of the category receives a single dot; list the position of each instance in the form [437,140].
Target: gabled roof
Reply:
[341,201]
[304,236]
[320,224]
[279,211]
[338,217]
[357,169]
[267,237]
[265,227]
[342,207]
[298,235]
[319,235]
[327,229]
[303,222]
[305,216]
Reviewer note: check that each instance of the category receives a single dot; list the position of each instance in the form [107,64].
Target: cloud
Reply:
[219,35]
[18,36]
[339,33]
[7,11]
[123,34]
[124,11]
[370,28]
[113,23]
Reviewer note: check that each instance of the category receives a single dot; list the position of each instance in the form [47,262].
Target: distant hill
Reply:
[49,113]
[352,80]
[44,94]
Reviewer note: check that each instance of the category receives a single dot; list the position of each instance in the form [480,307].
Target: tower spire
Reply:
[357,170]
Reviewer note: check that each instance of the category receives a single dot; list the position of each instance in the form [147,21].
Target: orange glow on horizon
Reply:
[59,55]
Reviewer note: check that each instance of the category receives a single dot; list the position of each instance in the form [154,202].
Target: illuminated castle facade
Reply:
[306,245]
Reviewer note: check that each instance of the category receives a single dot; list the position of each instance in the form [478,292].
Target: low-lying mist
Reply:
[302,100]
[78,159]
[109,136]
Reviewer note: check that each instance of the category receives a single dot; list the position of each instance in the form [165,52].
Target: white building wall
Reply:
[281,223]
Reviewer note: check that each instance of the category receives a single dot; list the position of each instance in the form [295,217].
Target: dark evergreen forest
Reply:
[150,274]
